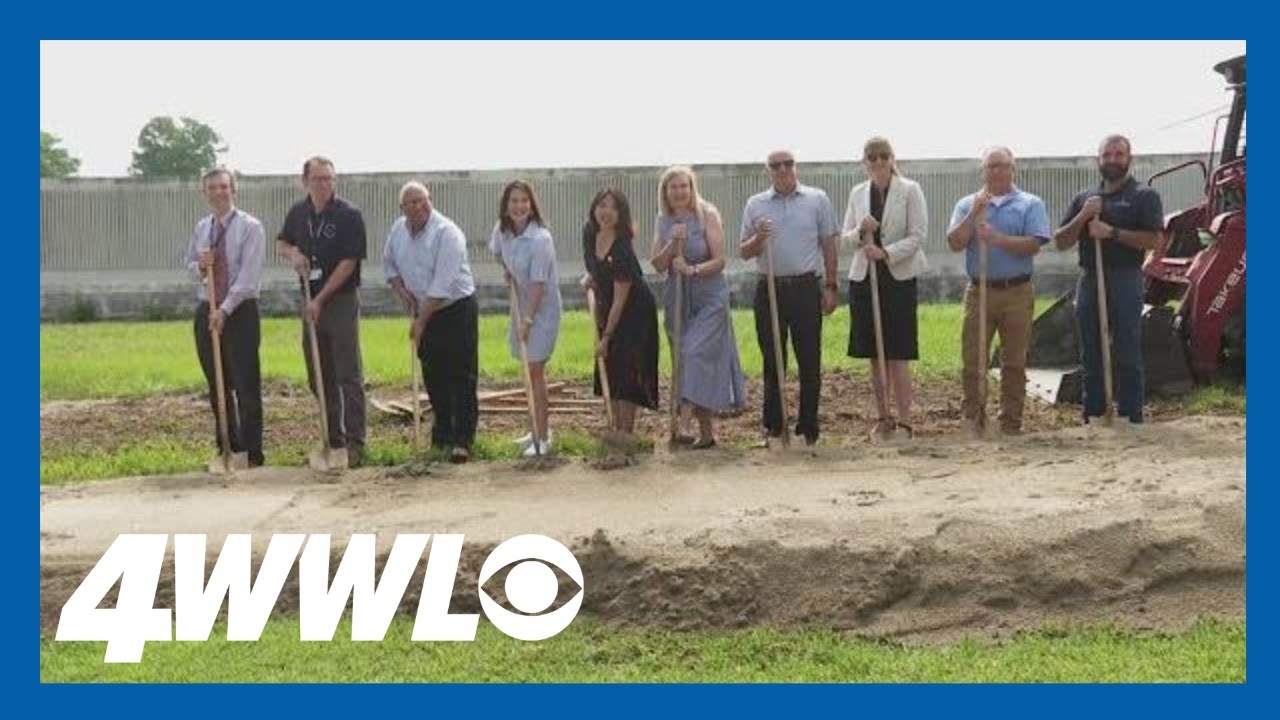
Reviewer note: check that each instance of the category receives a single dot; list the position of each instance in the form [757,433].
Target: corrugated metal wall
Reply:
[103,225]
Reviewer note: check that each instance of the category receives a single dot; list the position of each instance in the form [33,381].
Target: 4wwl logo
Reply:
[136,561]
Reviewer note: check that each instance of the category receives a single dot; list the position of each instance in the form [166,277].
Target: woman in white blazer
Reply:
[887,222]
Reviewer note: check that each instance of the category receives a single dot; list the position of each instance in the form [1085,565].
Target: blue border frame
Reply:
[576,19]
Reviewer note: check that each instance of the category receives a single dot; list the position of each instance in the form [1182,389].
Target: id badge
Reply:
[316,273]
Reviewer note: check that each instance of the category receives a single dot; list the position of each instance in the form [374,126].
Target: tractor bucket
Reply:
[1053,359]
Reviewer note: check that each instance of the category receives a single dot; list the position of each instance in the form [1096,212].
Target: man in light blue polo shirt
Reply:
[799,225]
[425,262]
[1014,225]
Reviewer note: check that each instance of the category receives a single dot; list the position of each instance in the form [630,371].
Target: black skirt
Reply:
[898,300]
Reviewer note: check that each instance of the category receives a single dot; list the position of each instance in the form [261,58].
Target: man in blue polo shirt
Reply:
[1013,224]
[1126,220]
[323,238]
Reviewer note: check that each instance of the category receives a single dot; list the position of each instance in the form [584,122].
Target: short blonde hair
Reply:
[879,143]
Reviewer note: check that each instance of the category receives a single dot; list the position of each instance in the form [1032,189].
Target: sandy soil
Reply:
[1139,526]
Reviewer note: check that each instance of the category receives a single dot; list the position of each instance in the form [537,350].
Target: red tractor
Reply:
[1193,321]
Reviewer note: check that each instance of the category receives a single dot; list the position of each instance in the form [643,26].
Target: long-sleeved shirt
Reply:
[246,250]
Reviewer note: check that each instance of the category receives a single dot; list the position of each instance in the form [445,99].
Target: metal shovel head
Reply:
[616,441]
[328,459]
[228,464]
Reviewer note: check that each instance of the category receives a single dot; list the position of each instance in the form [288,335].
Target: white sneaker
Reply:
[535,448]
[525,441]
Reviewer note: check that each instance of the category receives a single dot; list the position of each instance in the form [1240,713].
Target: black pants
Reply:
[800,315]
[449,352]
[242,377]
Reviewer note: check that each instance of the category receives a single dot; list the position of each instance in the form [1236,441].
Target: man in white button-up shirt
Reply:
[230,244]
[425,262]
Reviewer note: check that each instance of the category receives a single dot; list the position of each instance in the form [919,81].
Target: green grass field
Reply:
[137,359]
[119,359]
[589,651]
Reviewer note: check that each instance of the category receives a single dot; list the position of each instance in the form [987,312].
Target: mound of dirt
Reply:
[1138,526]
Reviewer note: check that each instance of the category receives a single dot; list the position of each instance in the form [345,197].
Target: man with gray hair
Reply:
[230,244]
[1013,225]
[796,225]
[425,262]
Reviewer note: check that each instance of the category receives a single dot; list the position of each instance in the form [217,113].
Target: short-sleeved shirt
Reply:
[530,257]
[1016,213]
[1132,207]
[328,237]
[801,219]
[432,263]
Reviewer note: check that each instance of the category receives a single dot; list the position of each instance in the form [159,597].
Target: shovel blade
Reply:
[328,459]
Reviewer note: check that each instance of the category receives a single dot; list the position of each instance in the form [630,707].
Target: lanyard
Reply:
[315,229]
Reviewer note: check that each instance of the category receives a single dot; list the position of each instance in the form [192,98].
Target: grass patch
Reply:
[160,458]
[1228,399]
[124,359]
[588,651]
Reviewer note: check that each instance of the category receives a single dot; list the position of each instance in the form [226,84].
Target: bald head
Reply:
[998,170]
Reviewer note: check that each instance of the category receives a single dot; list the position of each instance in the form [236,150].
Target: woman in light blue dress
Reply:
[524,246]
[711,379]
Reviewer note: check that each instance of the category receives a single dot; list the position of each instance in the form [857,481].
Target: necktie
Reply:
[221,270]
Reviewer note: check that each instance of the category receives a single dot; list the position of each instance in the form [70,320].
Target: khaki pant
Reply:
[1009,312]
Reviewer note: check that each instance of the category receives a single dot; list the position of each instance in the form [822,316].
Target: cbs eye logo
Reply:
[531,587]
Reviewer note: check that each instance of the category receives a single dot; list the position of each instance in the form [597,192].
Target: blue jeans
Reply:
[1124,306]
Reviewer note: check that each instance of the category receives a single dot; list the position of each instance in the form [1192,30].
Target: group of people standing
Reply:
[790,229]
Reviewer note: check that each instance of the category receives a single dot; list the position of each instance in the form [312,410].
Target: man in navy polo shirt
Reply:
[1013,224]
[323,238]
[1126,219]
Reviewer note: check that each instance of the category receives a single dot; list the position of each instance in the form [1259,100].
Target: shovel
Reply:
[524,364]
[1104,332]
[227,462]
[677,321]
[984,353]
[613,439]
[778,351]
[876,321]
[322,458]
[417,400]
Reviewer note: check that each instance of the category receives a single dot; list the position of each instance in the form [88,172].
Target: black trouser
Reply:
[449,351]
[242,378]
[800,315]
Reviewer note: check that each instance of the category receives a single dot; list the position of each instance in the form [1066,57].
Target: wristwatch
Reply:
[1115,234]
[832,285]
[694,270]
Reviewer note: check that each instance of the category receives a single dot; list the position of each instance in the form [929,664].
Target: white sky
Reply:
[408,106]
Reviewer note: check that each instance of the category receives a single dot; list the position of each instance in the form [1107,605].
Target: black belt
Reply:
[1005,283]
[791,280]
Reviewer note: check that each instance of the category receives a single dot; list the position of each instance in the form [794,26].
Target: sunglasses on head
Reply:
[872,157]
[777,164]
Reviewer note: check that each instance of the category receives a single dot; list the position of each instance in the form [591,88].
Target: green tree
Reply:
[169,148]
[55,162]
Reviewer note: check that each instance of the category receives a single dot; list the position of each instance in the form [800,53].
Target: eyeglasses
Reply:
[884,156]
[779,164]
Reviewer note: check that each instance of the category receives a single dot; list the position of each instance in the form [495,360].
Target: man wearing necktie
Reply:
[230,244]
